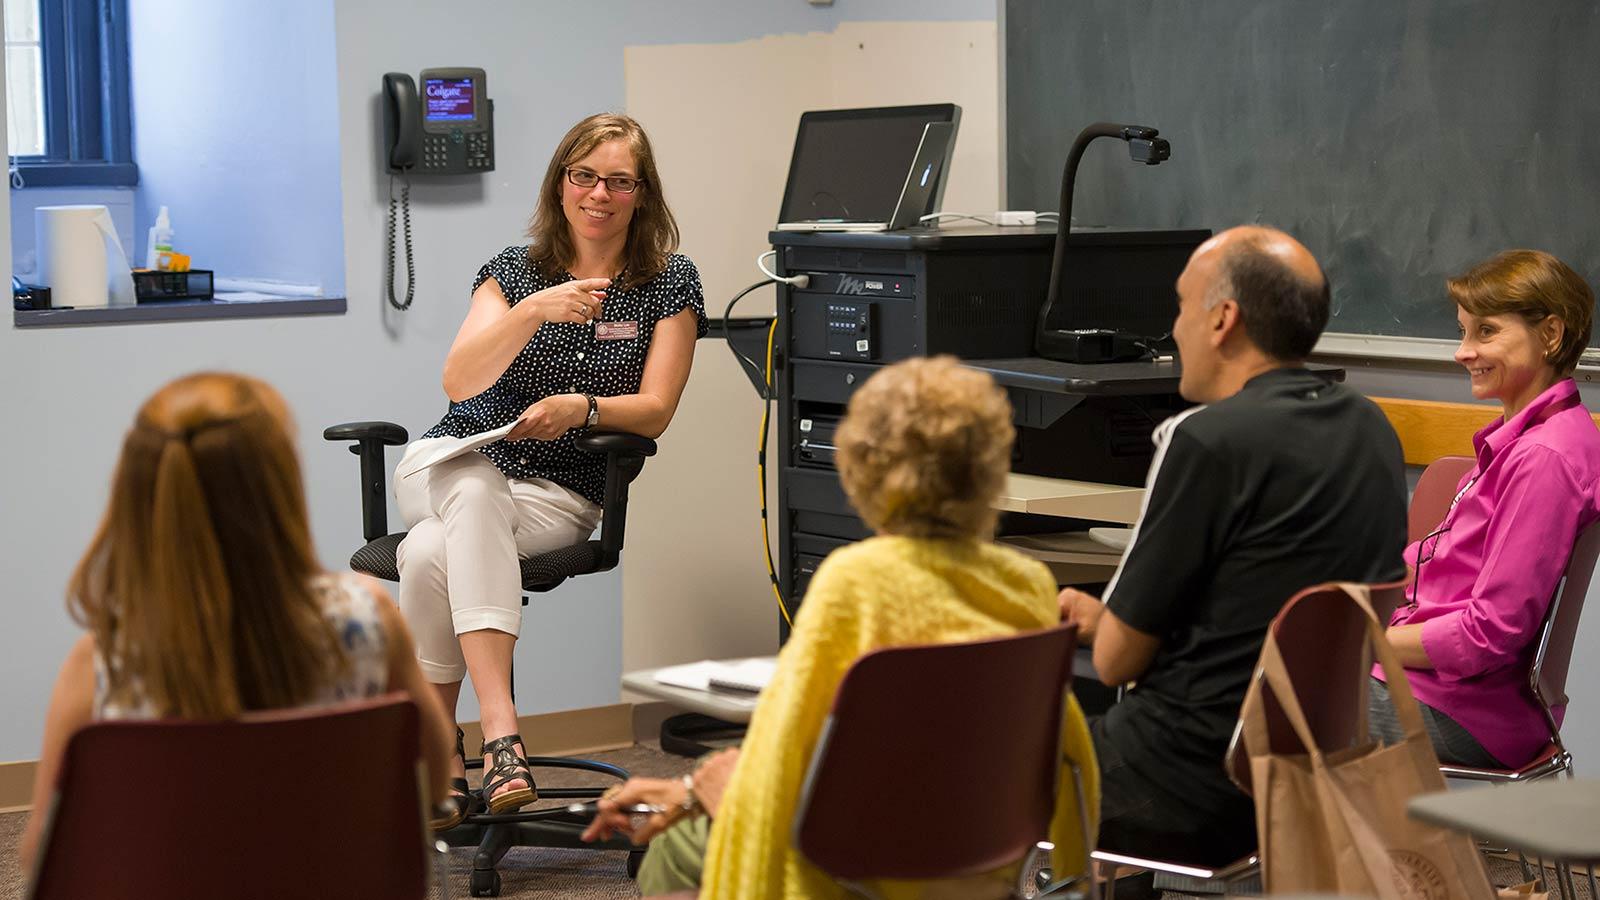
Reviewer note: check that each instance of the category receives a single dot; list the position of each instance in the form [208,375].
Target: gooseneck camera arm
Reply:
[1143,147]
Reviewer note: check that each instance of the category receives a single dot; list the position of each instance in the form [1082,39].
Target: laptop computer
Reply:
[868,169]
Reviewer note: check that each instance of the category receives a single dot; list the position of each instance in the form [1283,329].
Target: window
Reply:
[67,92]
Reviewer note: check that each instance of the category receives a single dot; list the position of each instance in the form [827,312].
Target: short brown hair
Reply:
[653,232]
[1534,285]
[924,449]
[197,585]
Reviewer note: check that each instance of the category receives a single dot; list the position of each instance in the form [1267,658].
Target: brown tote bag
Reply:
[1336,822]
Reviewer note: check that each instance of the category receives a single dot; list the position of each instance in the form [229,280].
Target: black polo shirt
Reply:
[1290,482]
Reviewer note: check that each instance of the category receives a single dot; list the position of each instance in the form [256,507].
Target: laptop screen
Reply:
[851,164]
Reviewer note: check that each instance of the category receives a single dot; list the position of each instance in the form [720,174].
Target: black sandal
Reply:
[507,767]
[459,802]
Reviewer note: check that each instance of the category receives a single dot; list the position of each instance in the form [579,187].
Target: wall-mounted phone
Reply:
[446,130]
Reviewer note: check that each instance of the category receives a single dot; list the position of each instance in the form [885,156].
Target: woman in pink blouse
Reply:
[1485,575]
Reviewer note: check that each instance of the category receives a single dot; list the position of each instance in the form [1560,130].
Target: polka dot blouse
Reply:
[566,358]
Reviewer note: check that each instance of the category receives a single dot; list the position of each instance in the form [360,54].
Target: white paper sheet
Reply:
[751,675]
[440,449]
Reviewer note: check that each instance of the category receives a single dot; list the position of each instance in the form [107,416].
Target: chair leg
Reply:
[1522,860]
[1593,893]
[1109,872]
[1564,875]
[1083,826]
[441,868]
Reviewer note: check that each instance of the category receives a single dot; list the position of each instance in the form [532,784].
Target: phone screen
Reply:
[449,99]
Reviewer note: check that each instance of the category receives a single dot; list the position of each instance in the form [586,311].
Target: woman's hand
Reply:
[551,417]
[610,819]
[711,778]
[573,301]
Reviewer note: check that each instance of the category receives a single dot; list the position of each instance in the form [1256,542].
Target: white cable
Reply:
[798,281]
[955,215]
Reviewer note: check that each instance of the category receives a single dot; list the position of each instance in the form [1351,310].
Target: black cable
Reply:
[767,396]
[750,366]
[411,270]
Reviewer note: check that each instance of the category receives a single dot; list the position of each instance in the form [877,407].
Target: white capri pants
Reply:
[459,568]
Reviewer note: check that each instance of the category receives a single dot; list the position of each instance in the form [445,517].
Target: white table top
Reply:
[729,706]
[1557,818]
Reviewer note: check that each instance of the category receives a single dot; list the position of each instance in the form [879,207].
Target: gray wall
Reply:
[68,394]
[238,133]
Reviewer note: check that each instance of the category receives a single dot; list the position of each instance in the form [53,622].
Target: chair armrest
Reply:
[615,442]
[388,433]
[370,438]
[625,454]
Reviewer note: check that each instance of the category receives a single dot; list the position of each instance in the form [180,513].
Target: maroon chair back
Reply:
[1386,598]
[1435,489]
[960,742]
[1323,639]
[1548,678]
[321,803]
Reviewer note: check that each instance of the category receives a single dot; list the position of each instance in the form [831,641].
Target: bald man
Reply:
[1275,481]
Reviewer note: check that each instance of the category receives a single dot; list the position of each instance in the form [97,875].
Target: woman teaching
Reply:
[1485,575]
[592,325]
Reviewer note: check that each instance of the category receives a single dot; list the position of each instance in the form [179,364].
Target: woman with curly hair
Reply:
[923,453]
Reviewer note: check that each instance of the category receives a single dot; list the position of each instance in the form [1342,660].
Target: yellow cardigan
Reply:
[882,592]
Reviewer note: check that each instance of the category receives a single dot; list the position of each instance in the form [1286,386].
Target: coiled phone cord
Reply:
[411,270]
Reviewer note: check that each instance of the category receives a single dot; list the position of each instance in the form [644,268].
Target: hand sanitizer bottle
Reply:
[159,242]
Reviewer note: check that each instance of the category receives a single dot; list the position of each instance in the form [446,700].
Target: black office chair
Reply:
[494,835]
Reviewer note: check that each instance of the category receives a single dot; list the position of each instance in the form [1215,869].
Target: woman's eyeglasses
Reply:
[1426,548]
[620,184]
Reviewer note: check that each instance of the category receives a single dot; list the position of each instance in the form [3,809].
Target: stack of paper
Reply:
[751,675]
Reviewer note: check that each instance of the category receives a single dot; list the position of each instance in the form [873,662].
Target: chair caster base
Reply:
[485,883]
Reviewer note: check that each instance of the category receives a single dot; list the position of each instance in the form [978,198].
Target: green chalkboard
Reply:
[1401,140]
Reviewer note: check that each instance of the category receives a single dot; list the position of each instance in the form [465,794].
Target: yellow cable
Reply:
[761,478]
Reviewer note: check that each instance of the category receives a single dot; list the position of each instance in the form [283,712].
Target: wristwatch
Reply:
[594,412]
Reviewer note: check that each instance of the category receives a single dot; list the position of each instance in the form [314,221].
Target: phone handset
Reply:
[447,129]
[402,132]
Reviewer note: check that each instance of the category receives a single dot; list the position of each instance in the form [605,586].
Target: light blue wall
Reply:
[74,390]
[236,128]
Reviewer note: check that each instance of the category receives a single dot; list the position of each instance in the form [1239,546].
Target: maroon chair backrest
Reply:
[1322,635]
[320,803]
[1435,489]
[938,761]
[1386,598]
[1550,664]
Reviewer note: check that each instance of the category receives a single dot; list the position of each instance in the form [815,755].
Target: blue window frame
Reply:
[88,124]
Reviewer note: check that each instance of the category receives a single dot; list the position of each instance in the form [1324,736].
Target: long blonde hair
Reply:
[197,585]
[652,233]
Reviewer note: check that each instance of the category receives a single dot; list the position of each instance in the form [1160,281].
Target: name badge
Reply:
[616,331]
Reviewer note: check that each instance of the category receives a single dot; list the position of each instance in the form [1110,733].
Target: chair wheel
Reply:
[485,883]
[635,860]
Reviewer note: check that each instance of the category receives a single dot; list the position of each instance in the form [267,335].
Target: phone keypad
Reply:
[457,151]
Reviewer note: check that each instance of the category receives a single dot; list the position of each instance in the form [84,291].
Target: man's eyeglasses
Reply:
[620,184]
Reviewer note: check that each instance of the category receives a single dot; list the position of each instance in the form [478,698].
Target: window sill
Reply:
[179,311]
[77,174]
